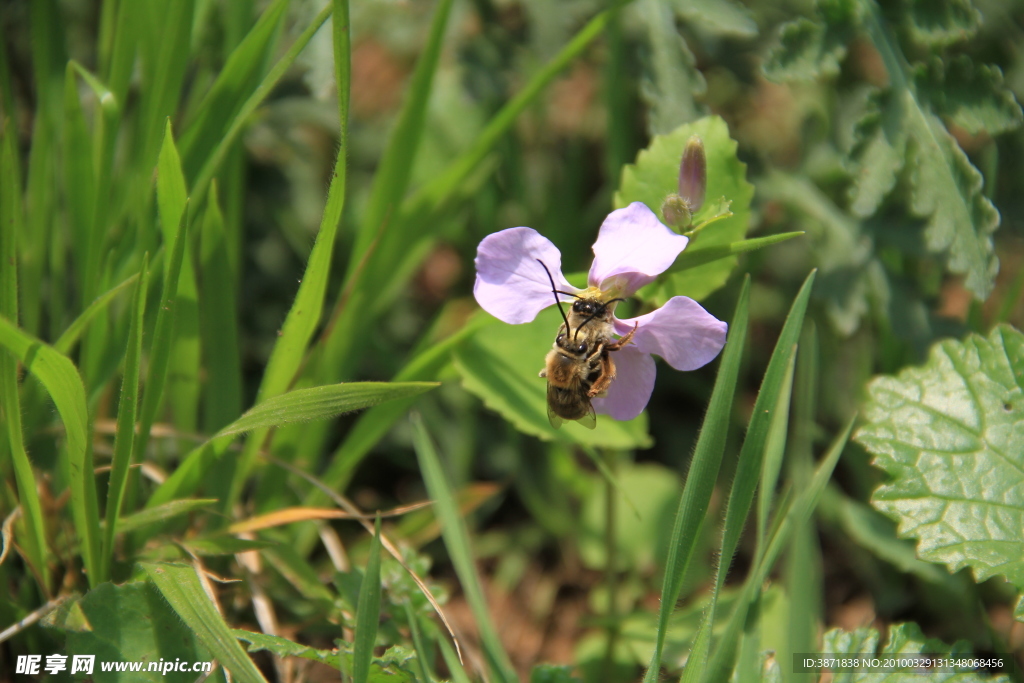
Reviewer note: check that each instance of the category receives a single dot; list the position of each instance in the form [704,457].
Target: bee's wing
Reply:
[553,418]
[589,420]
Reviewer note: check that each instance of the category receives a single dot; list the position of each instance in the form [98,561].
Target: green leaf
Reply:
[62,381]
[971,96]
[282,647]
[500,365]
[949,434]
[456,540]
[181,588]
[940,23]
[129,623]
[810,49]
[700,481]
[879,153]
[945,189]
[905,640]
[320,403]
[655,175]
[367,613]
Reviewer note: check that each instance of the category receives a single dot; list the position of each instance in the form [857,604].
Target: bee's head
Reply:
[588,307]
[572,345]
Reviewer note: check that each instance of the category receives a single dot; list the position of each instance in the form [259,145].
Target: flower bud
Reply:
[675,212]
[693,174]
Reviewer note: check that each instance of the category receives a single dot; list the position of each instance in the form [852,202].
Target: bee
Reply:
[579,366]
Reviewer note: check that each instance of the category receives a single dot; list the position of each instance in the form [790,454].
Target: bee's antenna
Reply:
[554,291]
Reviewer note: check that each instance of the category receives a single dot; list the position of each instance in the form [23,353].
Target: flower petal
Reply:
[681,332]
[633,247]
[631,389]
[510,284]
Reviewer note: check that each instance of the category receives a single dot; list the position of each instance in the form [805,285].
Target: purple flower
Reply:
[632,248]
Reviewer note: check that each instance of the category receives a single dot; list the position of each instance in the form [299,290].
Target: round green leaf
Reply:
[500,363]
[656,174]
[951,435]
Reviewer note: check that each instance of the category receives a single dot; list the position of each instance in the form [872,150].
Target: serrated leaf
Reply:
[939,23]
[971,96]
[282,647]
[807,50]
[499,364]
[946,190]
[949,435]
[879,152]
[670,79]
[655,175]
[905,640]
[128,623]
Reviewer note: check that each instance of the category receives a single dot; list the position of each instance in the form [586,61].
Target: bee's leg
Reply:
[604,380]
[543,373]
[615,346]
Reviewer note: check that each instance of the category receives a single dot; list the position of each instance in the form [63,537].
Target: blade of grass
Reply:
[127,406]
[423,664]
[774,450]
[700,482]
[396,164]
[700,256]
[796,514]
[12,220]
[163,333]
[62,381]
[302,404]
[35,242]
[79,184]
[225,144]
[749,469]
[235,82]
[182,589]
[218,322]
[167,32]
[183,372]
[456,540]
[320,403]
[304,315]
[74,331]
[162,513]
[367,613]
